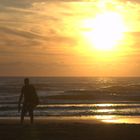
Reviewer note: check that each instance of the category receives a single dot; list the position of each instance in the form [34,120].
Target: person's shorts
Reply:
[27,108]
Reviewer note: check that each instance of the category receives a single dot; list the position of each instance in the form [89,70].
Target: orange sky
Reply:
[54,38]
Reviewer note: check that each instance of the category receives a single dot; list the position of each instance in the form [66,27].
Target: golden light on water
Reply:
[119,119]
[105,110]
[104,105]
[106,30]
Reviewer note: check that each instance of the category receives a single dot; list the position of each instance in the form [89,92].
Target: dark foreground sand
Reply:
[10,129]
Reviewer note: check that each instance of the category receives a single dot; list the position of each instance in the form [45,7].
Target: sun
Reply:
[105,31]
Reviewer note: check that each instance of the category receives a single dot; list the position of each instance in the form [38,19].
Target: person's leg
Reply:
[31,114]
[23,112]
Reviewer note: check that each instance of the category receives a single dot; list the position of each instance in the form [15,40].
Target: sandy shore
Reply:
[66,129]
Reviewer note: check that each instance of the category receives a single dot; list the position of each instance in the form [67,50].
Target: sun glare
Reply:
[105,31]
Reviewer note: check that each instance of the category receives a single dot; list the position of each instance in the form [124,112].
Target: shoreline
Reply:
[45,120]
[98,119]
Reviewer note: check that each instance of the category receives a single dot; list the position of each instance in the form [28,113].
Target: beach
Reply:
[71,69]
[73,109]
[66,129]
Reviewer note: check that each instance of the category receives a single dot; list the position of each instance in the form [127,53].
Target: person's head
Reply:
[26,81]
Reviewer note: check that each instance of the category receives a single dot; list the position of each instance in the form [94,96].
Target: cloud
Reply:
[32,26]
[21,33]
[43,35]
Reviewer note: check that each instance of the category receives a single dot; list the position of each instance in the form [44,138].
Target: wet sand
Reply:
[66,129]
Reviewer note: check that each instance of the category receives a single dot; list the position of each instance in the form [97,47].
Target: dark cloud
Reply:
[21,33]
[27,3]
[14,38]
[15,3]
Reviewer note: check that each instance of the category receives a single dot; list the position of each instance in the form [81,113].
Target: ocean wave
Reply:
[130,109]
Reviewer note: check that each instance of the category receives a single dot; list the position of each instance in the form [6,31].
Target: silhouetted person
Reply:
[30,100]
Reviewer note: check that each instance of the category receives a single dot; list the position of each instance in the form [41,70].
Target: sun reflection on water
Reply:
[118,119]
[104,105]
[105,110]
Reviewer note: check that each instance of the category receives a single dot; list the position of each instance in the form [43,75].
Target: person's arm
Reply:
[20,99]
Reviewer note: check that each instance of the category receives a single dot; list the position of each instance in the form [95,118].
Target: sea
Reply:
[108,99]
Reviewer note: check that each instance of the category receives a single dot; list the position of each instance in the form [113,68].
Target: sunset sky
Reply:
[69,38]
